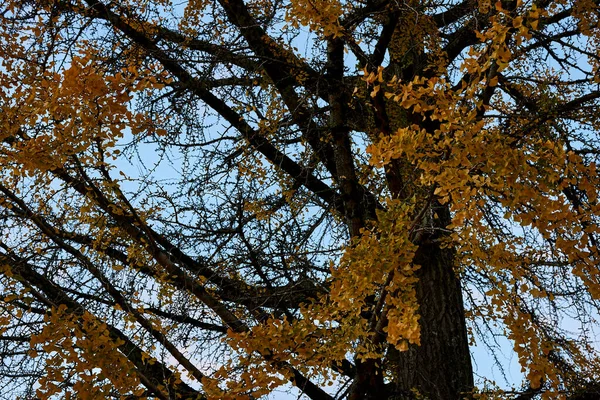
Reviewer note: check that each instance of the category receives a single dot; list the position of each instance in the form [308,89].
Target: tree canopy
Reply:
[215,199]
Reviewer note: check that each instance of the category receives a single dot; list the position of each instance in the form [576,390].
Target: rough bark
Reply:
[440,368]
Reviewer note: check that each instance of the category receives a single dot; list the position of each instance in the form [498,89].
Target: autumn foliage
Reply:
[220,199]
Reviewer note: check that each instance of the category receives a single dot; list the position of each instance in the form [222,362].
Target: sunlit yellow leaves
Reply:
[84,343]
[503,56]
[372,77]
[78,108]
[366,268]
[321,16]
[484,6]
[251,383]
[193,13]
[403,314]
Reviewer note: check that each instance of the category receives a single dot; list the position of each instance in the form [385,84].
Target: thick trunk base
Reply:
[440,368]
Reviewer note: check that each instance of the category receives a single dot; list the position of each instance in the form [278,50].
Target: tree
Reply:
[214,199]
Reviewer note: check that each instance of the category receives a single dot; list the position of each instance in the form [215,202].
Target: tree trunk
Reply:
[440,368]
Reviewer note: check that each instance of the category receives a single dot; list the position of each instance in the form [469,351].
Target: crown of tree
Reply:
[217,199]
